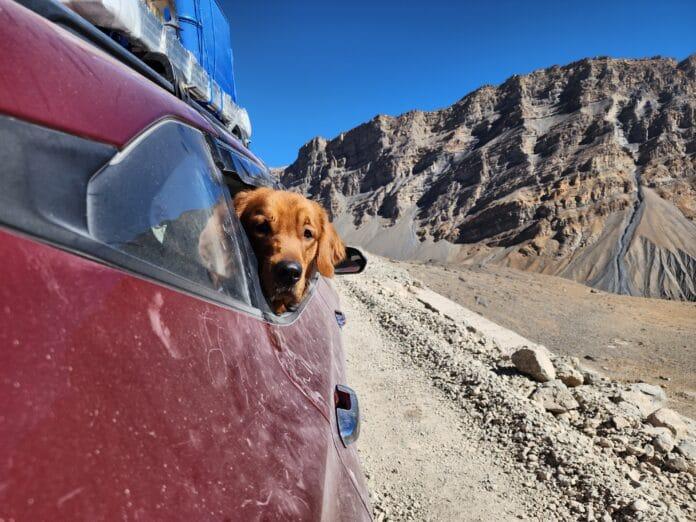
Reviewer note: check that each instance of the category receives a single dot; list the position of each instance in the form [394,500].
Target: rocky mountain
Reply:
[587,171]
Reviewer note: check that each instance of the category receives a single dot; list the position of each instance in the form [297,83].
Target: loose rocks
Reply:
[555,397]
[594,453]
[569,375]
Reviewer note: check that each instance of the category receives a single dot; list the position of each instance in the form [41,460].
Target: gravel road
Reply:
[450,432]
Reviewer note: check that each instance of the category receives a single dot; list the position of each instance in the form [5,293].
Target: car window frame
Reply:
[114,257]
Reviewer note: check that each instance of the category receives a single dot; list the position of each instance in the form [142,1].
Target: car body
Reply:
[130,387]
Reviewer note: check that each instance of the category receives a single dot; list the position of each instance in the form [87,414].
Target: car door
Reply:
[140,380]
[308,347]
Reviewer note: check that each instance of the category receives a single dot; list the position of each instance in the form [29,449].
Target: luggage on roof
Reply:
[193,35]
[205,31]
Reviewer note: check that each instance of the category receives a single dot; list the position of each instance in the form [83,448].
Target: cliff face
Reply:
[586,171]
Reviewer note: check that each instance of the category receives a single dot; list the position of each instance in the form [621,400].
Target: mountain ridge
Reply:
[568,170]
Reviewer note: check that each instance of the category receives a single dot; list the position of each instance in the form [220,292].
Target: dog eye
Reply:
[308,234]
[263,228]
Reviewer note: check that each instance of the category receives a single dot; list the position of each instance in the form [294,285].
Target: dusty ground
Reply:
[629,338]
[413,439]
[450,432]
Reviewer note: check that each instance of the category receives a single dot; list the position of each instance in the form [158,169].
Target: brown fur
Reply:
[276,222]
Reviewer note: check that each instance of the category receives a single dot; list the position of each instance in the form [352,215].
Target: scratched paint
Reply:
[162,331]
[223,429]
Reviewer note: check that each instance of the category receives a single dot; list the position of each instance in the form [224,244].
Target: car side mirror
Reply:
[354,263]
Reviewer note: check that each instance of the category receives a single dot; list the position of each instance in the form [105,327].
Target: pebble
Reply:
[640,505]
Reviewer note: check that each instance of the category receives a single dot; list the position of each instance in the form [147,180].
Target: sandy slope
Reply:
[629,338]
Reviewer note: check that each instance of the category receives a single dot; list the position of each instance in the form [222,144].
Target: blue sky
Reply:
[306,68]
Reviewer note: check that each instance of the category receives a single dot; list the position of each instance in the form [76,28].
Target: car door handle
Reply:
[347,414]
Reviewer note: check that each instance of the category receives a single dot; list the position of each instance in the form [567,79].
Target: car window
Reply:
[162,200]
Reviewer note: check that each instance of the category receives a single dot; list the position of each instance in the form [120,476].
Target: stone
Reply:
[620,422]
[654,431]
[569,375]
[534,362]
[687,448]
[634,476]
[481,301]
[604,442]
[663,443]
[543,475]
[555,397]
[593,422]
[650,390]
[591,377]
[670,419]
[638,506]
[646,397]
[648,451]
[634,450]
[676,463]
[631,460]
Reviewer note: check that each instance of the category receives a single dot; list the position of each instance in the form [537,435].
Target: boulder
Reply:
[535,362]
[555,397]
[670,419]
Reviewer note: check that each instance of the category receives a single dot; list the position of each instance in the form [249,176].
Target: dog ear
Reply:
[241,200]
[331,248]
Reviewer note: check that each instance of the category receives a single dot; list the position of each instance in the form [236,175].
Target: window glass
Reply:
[162,201]
[248,172]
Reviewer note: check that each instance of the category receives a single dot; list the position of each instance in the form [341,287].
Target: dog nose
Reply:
[288,272]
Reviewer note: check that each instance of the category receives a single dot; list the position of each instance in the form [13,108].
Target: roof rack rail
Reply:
[61,15]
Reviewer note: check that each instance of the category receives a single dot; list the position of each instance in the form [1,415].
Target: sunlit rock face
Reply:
[587,171]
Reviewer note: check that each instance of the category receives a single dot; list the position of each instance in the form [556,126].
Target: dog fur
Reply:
[287,227]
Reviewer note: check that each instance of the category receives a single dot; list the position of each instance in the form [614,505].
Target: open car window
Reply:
[240,173]
[162,200]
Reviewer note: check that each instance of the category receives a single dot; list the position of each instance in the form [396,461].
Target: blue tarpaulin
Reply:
[205,31]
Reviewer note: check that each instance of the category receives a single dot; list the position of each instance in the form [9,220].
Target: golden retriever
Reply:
[292,238]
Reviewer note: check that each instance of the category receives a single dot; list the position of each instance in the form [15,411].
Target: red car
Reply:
[133,386]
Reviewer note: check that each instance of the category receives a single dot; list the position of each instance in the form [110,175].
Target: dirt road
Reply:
[421,458]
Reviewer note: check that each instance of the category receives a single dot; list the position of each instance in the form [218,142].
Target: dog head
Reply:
[292,238]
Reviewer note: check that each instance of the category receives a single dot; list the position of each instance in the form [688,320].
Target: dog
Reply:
[292,238]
